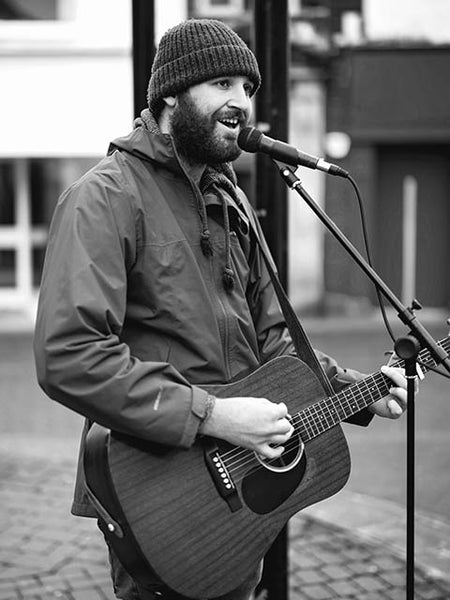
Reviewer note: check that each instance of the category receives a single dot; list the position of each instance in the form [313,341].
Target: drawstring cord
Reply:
[221,176]
[205,238]
[228,273]
[220,179]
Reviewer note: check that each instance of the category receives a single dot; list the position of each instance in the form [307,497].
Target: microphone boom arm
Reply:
[405,314]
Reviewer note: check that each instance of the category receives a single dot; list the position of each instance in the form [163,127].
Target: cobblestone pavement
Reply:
[47,554]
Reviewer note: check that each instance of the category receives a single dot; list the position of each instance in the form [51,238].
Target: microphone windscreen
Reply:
[248,139]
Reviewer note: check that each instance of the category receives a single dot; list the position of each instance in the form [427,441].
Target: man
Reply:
[153,285]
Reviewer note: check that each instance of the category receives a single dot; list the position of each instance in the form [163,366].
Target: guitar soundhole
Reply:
[269,484]
[294,448]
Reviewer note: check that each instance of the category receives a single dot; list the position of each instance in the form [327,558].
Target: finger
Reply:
[396,375]
[399,395]
[281,439]
[394,408]
[283,426]
[282,410]
[270,452]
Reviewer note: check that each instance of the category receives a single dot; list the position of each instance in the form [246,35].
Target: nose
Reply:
[239,98]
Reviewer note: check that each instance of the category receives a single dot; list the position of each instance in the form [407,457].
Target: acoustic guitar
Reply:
[202,519]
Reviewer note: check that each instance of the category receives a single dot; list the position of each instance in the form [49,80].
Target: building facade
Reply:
[375,87]
[388,96]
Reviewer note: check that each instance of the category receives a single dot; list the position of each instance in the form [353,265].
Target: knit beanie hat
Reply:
[194,51]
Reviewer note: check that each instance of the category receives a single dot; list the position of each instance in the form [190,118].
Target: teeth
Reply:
[232,122]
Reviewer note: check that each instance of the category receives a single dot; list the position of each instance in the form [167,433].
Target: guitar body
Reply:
[169,506]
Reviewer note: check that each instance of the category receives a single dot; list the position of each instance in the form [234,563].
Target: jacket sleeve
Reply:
[81,361]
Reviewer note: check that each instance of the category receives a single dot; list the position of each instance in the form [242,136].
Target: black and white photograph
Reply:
[224,300]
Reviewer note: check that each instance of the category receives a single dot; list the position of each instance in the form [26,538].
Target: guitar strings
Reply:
[243,456]
[315,423]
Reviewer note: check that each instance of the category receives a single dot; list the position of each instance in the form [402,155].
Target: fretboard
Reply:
[329,412]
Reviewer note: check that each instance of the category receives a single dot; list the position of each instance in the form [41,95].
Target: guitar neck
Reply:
[329,412]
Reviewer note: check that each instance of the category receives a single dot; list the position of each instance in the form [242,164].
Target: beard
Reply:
[195,135]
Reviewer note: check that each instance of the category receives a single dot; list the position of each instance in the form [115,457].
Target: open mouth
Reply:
[231,122]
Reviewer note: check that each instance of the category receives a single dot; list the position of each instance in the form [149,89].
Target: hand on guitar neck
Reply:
[253,423]
[394,405]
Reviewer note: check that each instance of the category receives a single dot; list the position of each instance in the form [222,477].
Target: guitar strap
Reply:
[300,340]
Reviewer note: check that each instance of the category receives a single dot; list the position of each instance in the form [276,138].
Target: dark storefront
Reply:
[394,103]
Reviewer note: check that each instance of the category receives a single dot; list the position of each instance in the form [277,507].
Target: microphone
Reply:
[252,140]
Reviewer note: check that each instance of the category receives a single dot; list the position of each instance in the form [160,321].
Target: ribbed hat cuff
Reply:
[203,64]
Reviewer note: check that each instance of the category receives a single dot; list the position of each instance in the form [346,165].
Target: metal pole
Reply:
[143,50]
[272,51]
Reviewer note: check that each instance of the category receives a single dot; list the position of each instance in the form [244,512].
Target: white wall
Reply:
[306,131]
[63,106]
[407,20]
[66,85]
[168,14]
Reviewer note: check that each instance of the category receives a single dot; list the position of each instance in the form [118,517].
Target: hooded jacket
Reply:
[134,316]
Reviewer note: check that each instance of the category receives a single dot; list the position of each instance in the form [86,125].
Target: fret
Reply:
[319,416]
[383,384]
[334,414]
[328,412]
[330,415]
[306,433]
[367,392]
[351,405]
[340,412]
[309,412]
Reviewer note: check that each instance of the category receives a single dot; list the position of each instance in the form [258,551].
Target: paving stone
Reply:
[398,593]
[395,578]
[334,572]
[308,576]
[7,591]
[94,594]
[344,589]
[370,584]
[318,592]
[47,554]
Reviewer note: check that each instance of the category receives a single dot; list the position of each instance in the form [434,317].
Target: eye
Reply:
[248,87]
[224,83]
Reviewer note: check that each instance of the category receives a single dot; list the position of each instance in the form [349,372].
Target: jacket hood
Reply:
[159,147]
[156,147]
[148,143]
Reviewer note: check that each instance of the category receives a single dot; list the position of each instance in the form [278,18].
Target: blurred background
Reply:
[369,88]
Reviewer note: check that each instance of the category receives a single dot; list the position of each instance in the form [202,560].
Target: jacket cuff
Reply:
[199,411]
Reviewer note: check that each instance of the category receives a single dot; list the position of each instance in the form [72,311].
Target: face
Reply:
[207,118]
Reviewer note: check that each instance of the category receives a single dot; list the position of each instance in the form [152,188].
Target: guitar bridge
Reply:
[220,475]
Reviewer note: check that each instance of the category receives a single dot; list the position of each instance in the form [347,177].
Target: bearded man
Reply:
[154,285]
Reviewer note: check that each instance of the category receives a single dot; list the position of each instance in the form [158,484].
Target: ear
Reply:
[170,101]
[165,114]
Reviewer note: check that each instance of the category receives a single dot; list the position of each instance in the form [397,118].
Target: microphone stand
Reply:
[406,347]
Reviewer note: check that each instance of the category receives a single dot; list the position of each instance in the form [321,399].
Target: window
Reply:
[24,10]
[29,189]
[36,10]
[219,8]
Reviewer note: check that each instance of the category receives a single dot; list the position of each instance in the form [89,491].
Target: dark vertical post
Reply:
[272,50]
[143,50]
[272,110]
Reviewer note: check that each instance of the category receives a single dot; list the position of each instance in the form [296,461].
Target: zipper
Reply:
[225,334]
[220,311]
